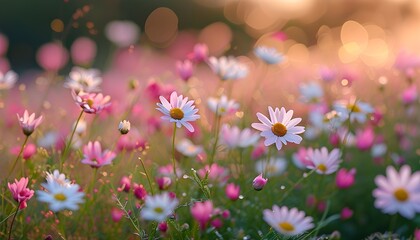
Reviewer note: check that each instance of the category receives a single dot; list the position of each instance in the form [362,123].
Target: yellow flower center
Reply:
[60,197]
[286,226]
[321,167]
[401,194]
[353,108]
[176,113]
[279,129]
[158,210]
[90,102]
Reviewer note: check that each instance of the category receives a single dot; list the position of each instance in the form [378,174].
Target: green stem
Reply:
[267,161]
[18,156]
[13,220]
[296,184]
[147,175]
[216,136]
[173,153]
[66,149]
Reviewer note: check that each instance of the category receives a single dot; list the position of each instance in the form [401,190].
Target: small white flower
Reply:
[233,137]
[86,80]
[324,162]
[280,128]
[228,68]
[274,167]
[158,207]
[378,150]
[187,148]
[61,197]
[222,106]
[311,92]
[355,110]
[8,80]
[289,222]
[398,192]
[268,55]
[122,33]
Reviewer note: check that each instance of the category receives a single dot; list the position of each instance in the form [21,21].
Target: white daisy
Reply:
[179,110]
[311,92]
[288,222]
[86,80]
[233,137]
[187,148]
[353,109]
[60,197]
[268,55]
[222,106]
[280,128]
[58,177]
[324,162]
[274,167]
[158,207]
[8,80]
[228,68]
[398,192]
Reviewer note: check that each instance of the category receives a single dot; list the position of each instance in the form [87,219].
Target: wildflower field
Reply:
[200,119]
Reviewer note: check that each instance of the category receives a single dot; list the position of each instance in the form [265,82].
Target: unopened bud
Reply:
[124,127]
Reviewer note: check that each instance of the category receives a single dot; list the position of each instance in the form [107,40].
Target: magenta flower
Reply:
[139,191]
[28,123]
[259,182]
[346,213]
[20,192]
[344,178]
[410,95]
[27,153]
[91,102]
[163,182]
[202,212]
[365,139]
[125,184]
[200,52]
[232,191]
[184,69]
[94,156]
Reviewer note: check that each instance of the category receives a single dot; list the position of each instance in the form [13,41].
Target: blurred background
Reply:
[345,30]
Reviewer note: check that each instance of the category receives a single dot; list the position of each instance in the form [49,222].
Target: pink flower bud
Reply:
[116,214]
[365,139]
[409,95]
[200,52]
[184,69]
[140,192]
[232,191]
[52,56]
[164,182]
[163,227]
[83,51]
[202,212]
[259,182]
[217,223]
[346,213]
[344,178]
[125,184]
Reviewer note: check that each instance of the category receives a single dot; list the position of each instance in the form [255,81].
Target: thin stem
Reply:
[147,175]
[267,160]
[66,149]
[18,156]
[173,153]
[13,220]
[216,136]
[296,184]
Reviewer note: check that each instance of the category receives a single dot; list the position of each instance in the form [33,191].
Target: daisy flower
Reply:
[86,80]
[61,197]
[280,128]
[268,55]
[398,192]
[8,80]
[158,207]
[94,156]
[275,166]
[324,162]
[228,68]
[353,109]
[222,106]
[187,148]
[233,137]
[28,123]
[289,222]
[311,92]
[179,110]
[58,177]
[91,102]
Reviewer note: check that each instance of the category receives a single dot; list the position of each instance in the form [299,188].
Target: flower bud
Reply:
[259,182]
[124,127]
